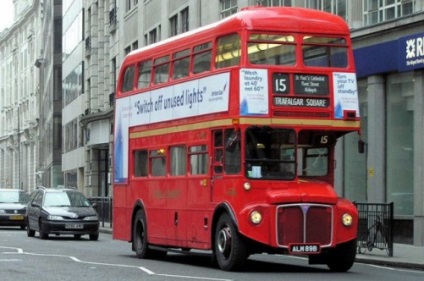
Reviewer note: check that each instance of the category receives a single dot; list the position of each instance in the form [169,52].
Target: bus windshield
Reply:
[274,153]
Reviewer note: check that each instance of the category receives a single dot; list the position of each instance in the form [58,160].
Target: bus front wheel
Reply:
[230,249]
[342,257]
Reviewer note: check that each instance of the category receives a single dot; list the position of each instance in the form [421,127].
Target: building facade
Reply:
[19,97]
[97,34]
[49,65]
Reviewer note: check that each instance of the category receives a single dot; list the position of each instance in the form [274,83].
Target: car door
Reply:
[34,210]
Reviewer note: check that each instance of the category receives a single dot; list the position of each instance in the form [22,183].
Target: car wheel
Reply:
[43,233]
[94,237]
[23,227]
[77,236]
[229,248]
[30,232]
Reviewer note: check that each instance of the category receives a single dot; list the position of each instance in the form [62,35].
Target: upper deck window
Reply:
[271,49]
[161,69]
[181,64]
[128,83]
[144,73]
[202,57]
[324,51]
[228,52]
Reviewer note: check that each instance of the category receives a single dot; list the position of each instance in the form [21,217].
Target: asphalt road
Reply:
[63,258]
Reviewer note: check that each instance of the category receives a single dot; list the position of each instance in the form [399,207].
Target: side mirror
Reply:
[94,205]
[33,204]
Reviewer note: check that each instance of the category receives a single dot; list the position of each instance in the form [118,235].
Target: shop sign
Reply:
[411,52]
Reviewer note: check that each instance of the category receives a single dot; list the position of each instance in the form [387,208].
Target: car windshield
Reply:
[65,199]
[12,196]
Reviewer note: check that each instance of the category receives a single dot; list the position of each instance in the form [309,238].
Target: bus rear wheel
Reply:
[230,249]
[139,241]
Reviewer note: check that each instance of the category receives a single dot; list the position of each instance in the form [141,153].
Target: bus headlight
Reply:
[256,217]
[347,219]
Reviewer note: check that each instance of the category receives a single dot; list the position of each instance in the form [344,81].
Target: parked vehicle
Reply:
[61,211]
[13,203]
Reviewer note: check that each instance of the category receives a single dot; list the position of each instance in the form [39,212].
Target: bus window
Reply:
[270,153]
[178,160]
[228,52]
[218,152]
[161,69]
[128,83]
[140,163]
[181,64]
[271,49]
[198,160]
[144,73]
[324,51]
[158,162]
[313,161]
[202,58]
[232,151]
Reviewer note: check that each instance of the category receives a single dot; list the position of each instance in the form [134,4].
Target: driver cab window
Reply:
[270,153]
[313,153]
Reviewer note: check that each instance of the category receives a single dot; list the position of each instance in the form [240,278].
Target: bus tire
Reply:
[230,249]
[342,257]
[140,243]
[139,240]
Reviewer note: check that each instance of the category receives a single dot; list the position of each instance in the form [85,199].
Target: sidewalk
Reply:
[404,255]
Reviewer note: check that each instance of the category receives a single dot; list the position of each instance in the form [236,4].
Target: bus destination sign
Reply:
[309,84]
[299,101]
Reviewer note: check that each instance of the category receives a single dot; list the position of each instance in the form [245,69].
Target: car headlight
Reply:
[54,218]
[91,218]
[2,212]
[347,219]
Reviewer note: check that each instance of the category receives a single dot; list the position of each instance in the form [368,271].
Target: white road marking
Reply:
[145,270]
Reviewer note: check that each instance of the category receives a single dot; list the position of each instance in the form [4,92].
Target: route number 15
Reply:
[280,83]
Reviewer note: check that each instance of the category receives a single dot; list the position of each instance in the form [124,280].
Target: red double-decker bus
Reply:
[225,140]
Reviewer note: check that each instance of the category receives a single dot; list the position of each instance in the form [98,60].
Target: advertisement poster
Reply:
[194,98]
[345,93]
[122,120]
[253,92]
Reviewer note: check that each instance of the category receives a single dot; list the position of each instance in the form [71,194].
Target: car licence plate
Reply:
[305,249]
[74,226]
[16,217]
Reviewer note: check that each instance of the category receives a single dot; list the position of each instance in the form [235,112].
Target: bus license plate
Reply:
[305,249]
[16,217]
[74,226]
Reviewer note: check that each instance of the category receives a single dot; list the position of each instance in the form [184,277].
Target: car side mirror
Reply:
[33,204]
[94,205]
[361,146]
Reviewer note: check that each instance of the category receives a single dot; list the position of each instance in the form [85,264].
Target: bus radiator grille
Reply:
[304,223]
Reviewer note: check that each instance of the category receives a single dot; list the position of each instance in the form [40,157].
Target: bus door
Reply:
[226,164]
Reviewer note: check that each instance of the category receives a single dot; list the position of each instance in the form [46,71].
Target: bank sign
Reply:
[411,52]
